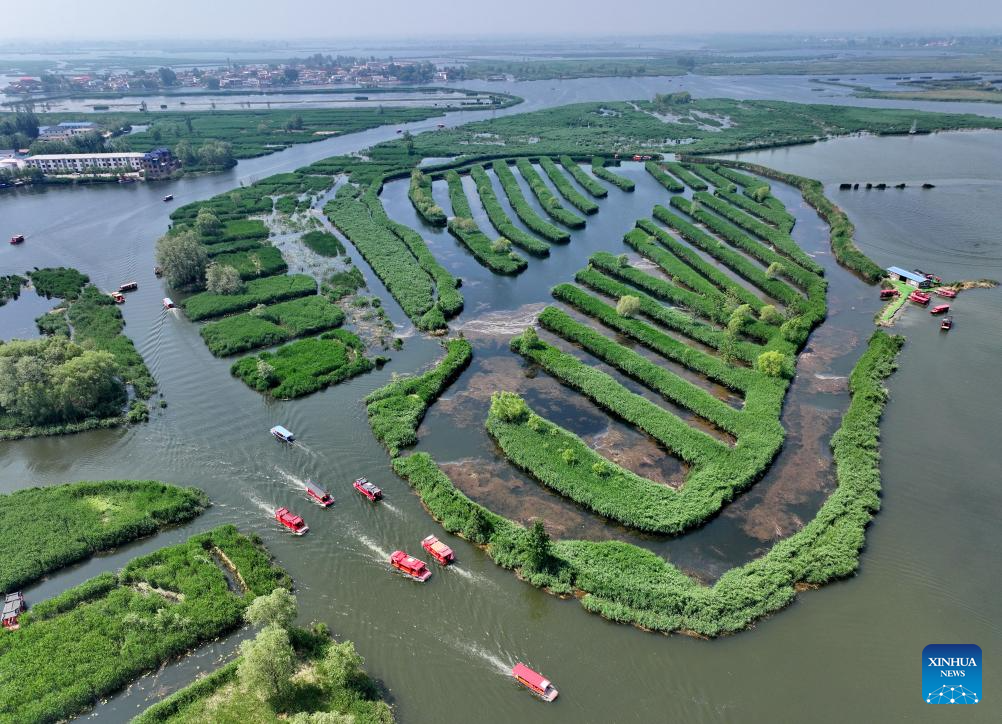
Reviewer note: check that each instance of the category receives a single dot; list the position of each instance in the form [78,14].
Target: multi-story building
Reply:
[154,164]
[65,130]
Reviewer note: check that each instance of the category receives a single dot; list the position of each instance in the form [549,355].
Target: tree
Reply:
[500,245]
[341,665]
[478,528]
[212,82]
[409,142]
[291,75]
[536,548]
[775,270]
[295,123]
[628,305]
[168,77]
[207,223]
[267,663]
[740,318]
[278,608]
[222,279]
[771,363]
[182,258]
[769,314]
[509,407]
[216,154]
[185,152]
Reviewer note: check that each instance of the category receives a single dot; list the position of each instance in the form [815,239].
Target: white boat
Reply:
[282,434]
[168,303]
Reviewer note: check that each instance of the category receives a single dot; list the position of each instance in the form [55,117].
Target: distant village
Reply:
[316,71]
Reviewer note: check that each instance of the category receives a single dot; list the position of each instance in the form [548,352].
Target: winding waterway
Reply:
[848,652]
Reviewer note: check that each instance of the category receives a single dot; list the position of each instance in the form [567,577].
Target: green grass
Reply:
[271,325]
[91,641]
[63,524]
[306,365]
[266,290]
[396,410]
[322,242]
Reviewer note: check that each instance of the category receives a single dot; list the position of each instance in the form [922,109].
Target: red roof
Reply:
[529,676]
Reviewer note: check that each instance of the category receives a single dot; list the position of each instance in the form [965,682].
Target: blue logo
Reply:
[951,674]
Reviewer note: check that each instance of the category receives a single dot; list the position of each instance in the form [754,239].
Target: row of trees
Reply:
[185,262]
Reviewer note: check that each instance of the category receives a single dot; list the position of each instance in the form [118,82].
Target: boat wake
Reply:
[269,509]
[380,554]
[494,661]
[392,508]
[471,576]
[297,482]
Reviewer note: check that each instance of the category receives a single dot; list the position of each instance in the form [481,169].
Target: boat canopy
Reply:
[280,431]
[530,677]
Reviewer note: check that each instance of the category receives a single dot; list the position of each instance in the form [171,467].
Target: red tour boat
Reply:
[291,521]
[17,239]
[13,606]
[947,323]
[919,297]
[367,489]
[947,292]
[410,566]
[438,550]
[940,309]
[534,682]
[318,495]
[128,287]
[889,293]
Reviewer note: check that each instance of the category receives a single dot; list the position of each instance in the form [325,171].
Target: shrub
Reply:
[627,306]
[222,279]
[771,363]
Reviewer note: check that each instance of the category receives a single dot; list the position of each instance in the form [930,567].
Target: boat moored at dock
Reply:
[318,495]
[919,297]
[438,550]
[282,434]
[291,521]
[534,682]
[13,606]
[946,292]
[118,297]
[410,566]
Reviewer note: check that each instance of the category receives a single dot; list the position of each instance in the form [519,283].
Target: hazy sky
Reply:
[288,19]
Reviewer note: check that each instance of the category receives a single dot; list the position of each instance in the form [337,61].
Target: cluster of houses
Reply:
[371,73]
[158,163]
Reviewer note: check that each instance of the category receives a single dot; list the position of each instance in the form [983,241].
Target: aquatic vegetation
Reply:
[61,282]
[706,172]
[566,188]
[598,168]
[396,410]
[322,242]
[271,325]
[85,645]
[771,211]
[688,178]
[663,177]
[420,194]
[305,366]
[265,290]
[499,219]
[263,261]
[462,226]
[10,287]
[551,205]
[63,524]
[523,209]
[587,182]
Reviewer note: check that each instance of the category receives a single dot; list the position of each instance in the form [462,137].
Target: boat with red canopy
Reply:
[367,489]
[947,323]
[438,550]
[947,292]
[919,297]
[940,309]
[291,521]
[534,682]
[410,566]
[318,495]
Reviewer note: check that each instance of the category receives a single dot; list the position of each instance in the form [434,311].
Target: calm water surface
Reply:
[848,652]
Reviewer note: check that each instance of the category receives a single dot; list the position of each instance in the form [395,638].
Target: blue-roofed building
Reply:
[65,130]
[913,278]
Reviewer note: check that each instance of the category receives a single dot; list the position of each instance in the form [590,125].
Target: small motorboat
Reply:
[889,293]
[438,550]
[947,292]
[17,239]
[118,297]
[919,297]
[13,606]
[367,489]
[169,197]
[940,309]
[318,495]
[947,323]
[291,521]
[282,434]
[410,566]
[534,682]
[168,303]
[158,272]
[128,287]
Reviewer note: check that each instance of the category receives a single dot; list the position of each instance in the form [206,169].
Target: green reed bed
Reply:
[499,219]
[587,182]
[396,410]
[551,205]
[266,290]
[574,197]
[598,168]
[420,194]
[495,255]
[271,325]
[663,177]
[523,209]
[62,524]
[705,171]
[775,214]
[687,177]
[305,366]
[264,261]
[91,641]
